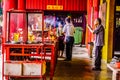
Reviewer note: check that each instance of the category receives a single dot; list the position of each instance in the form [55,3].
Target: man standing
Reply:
[99,42]
[69,37]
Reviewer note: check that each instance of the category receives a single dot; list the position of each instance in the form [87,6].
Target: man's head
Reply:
[68,19]
[97,21]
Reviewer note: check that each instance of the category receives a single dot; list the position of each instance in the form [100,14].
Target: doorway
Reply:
[117,30]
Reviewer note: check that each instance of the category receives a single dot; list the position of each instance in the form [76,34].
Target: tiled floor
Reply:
[79,68]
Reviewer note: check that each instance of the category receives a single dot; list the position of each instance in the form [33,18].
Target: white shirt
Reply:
[69,30]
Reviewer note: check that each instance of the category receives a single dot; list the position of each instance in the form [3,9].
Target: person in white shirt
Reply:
[69,30]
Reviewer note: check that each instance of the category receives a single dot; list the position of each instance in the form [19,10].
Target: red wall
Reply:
[68,5]
[21,5]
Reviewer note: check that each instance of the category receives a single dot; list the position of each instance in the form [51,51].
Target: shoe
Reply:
[96,69]
[67,60]
[60,56]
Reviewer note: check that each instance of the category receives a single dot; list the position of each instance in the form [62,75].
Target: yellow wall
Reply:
[108,47]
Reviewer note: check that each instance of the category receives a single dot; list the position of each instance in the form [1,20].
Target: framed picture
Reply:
[35,27]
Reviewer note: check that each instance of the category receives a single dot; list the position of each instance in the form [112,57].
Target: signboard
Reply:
[117,8]
[54,7]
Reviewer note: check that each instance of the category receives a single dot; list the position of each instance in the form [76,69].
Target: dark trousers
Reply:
[98,55]
[69,46]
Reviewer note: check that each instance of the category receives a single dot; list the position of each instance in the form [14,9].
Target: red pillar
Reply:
[96,8]
[89,20]
[92,13]
[21,5]
[7,4]
[95,13]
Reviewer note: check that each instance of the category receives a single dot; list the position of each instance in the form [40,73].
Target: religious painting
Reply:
[102,13]
[35,27]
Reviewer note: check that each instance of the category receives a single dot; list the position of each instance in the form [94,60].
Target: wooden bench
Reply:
[115,73]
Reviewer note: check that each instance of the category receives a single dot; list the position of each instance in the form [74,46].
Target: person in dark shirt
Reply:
[61,37]
[99,42]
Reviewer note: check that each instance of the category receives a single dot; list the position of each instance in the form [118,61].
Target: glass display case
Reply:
[49,28]
[35,27]
[24,27]
[16,25]
[24,31]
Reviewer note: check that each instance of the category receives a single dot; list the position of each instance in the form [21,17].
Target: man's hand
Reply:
[88,26]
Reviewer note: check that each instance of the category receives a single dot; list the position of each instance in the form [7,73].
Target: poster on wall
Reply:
[102,13]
